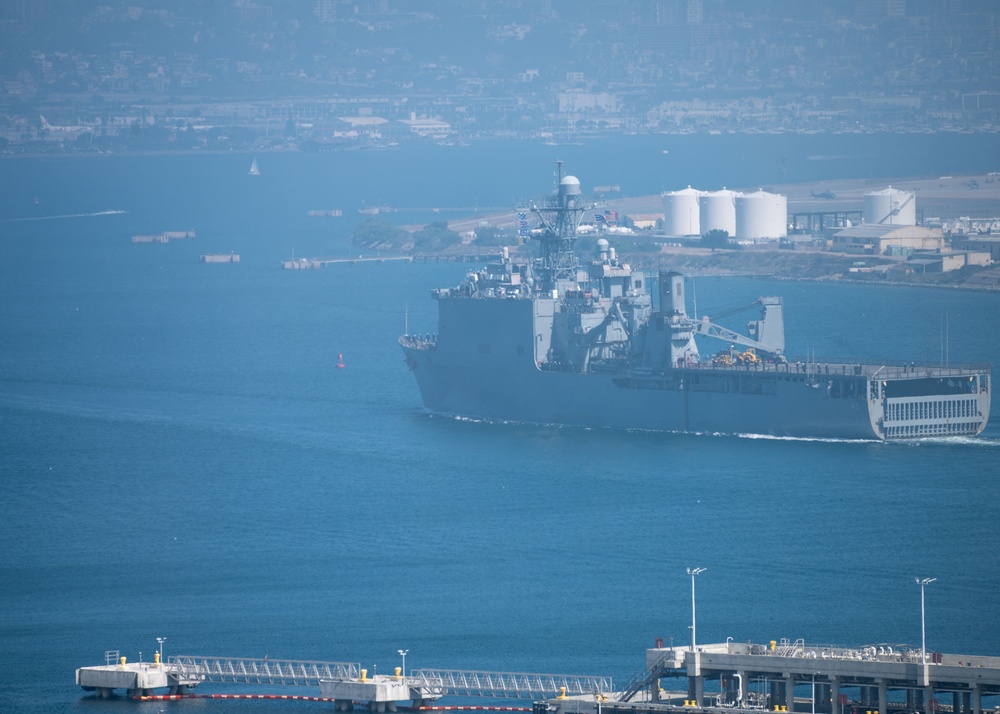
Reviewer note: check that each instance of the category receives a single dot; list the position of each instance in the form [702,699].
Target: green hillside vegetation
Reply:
[434,237]
[379,234]
[492,236]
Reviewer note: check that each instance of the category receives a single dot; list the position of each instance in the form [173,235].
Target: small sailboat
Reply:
[254,171]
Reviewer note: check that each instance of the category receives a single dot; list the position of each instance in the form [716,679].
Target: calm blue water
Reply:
[179,456]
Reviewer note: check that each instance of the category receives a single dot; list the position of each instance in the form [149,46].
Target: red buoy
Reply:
[340,361]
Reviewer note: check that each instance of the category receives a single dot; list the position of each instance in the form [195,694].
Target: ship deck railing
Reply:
[418,342]
[803,368]
[848,368]
[872,368]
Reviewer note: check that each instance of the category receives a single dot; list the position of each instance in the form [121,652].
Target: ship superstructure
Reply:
[558,341]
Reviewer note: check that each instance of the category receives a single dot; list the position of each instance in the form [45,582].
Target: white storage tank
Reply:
[718,211]
[681,213]
[761,215]
[891,207]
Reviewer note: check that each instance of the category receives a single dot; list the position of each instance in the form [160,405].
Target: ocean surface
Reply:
[181,458]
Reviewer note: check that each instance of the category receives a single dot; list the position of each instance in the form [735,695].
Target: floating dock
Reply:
[317,263]
[164,237]
[776,677]
[220,258]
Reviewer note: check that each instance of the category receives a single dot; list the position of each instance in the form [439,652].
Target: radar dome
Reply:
[569,186]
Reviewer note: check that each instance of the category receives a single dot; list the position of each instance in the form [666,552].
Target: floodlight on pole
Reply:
[403,653]
[692,572]
[161,640]
[923,582]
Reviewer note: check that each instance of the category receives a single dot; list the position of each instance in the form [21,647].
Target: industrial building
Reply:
[873,239]
[943,261]
[642,221]
[988,243]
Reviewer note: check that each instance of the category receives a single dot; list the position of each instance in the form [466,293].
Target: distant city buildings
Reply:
[181,75]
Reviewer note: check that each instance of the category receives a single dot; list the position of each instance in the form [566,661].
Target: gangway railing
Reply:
[507,685]
[664,665]
[434,683]
[790,649]
[188,668]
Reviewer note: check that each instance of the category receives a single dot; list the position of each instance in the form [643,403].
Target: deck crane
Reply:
[766,334]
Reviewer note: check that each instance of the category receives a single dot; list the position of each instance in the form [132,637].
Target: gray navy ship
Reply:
[559,341]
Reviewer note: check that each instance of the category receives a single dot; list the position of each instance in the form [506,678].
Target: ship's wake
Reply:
[941,441]
[821,439]
[638,430]
[832,157]
[953,441]
[113,212]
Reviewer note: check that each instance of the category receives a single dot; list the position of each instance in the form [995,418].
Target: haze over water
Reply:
[181,458]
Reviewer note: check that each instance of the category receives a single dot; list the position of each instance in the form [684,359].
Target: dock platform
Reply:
[779,676]
[136,678]
[316,263]
[873,678]
[220,258]
[164,237]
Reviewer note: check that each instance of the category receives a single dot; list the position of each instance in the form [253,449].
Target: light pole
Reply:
[161,640]
[403,653]
[692,572]
[923,582]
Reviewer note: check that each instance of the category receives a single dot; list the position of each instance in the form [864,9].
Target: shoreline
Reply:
[943,192]
[943,197]
[949,193]
[409,141]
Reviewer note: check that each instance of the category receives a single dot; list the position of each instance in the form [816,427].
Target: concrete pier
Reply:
[777,676]
[788,676]
[136,678]
[381,692]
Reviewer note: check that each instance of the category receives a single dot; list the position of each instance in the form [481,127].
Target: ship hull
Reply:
[682,400]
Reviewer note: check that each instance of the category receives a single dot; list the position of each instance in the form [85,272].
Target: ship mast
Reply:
[559,215]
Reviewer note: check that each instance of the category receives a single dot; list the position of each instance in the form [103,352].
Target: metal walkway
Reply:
[430,683]
[506,685]
[236,670]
